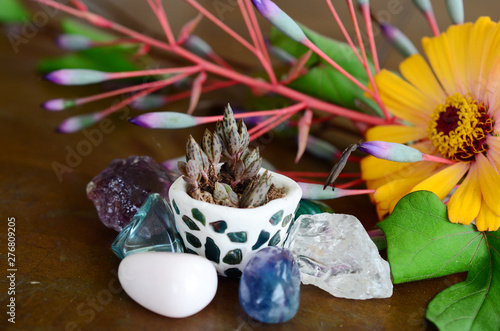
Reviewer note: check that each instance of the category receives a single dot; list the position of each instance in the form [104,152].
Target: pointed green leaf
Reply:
[422,243]
[323,81]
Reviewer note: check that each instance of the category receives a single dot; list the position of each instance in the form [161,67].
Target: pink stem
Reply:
[152,72]
[365,9]
[84,100]
[376,94]
[123,103]
[224,72]
[277,113]
[438,159]
[160,14]
[431,19]
[221,25]
[260,44]
[208,88]
[350,184]
[317,174]
[271,126]
[342,28]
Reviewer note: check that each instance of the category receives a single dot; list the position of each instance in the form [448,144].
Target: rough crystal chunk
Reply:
[335,253]
[120,189]
[151,229]
[270,286]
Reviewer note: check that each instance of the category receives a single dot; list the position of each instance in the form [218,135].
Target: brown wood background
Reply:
[66,272]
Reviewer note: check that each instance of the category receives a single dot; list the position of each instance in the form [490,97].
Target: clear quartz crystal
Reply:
[152,228]
[335,253]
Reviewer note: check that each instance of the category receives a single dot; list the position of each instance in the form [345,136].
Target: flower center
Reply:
[459,127]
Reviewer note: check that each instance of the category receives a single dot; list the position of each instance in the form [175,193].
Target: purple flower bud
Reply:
[424,5]
[149,102]
[76,76]
[391,151]
[280,20]
[198,46]
[58,104]
[165,120]
[363,2]
[73,42]
[316,192]
[79,122]
[456,10]
[398,39]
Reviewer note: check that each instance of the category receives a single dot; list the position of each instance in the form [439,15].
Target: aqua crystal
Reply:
[152,228]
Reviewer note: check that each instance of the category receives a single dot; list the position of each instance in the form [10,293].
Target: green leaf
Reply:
[72,26]
[110,58]
[322,80]
[422,243]
[12,11]
[475,303]
[101,58]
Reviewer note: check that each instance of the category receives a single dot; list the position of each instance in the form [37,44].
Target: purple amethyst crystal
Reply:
[120,189]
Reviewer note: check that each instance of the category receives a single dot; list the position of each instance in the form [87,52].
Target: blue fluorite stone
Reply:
[270,286]
[152,228]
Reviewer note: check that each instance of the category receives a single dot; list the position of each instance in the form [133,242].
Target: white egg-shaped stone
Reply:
[170,284]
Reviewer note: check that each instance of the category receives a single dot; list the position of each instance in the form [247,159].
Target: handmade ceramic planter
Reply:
[229,236]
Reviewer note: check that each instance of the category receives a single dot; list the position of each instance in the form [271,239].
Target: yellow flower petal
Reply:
[490,183]
[389,194]
[458,38]
[487,220]
[396,133]
[491,70]
[479,36]
[402,99]
[438,52]
[416,71]
[465,203]
[442,182]
[493,143]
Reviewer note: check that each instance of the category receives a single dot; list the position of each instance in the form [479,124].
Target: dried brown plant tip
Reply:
[235,183]
[339,166]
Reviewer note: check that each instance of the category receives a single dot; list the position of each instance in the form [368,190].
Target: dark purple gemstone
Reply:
[120,189]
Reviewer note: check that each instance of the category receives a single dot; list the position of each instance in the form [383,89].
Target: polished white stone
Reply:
[170,284]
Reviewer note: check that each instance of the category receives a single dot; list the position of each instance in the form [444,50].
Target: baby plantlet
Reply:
[234,183]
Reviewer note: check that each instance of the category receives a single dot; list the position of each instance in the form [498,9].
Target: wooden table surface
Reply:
[66,272]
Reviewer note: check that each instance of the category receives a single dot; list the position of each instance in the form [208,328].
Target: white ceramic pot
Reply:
[230,236]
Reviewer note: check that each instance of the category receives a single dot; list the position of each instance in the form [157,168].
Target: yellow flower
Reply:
[448,108]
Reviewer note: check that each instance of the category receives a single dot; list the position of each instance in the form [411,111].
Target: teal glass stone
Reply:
[152,228]
[311,207]
[198,215]
[276,218]
[193,240]
[263,238]
[212,251]
[275,239]
[233,257]
[238,237]
[190,223]
[219,226]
